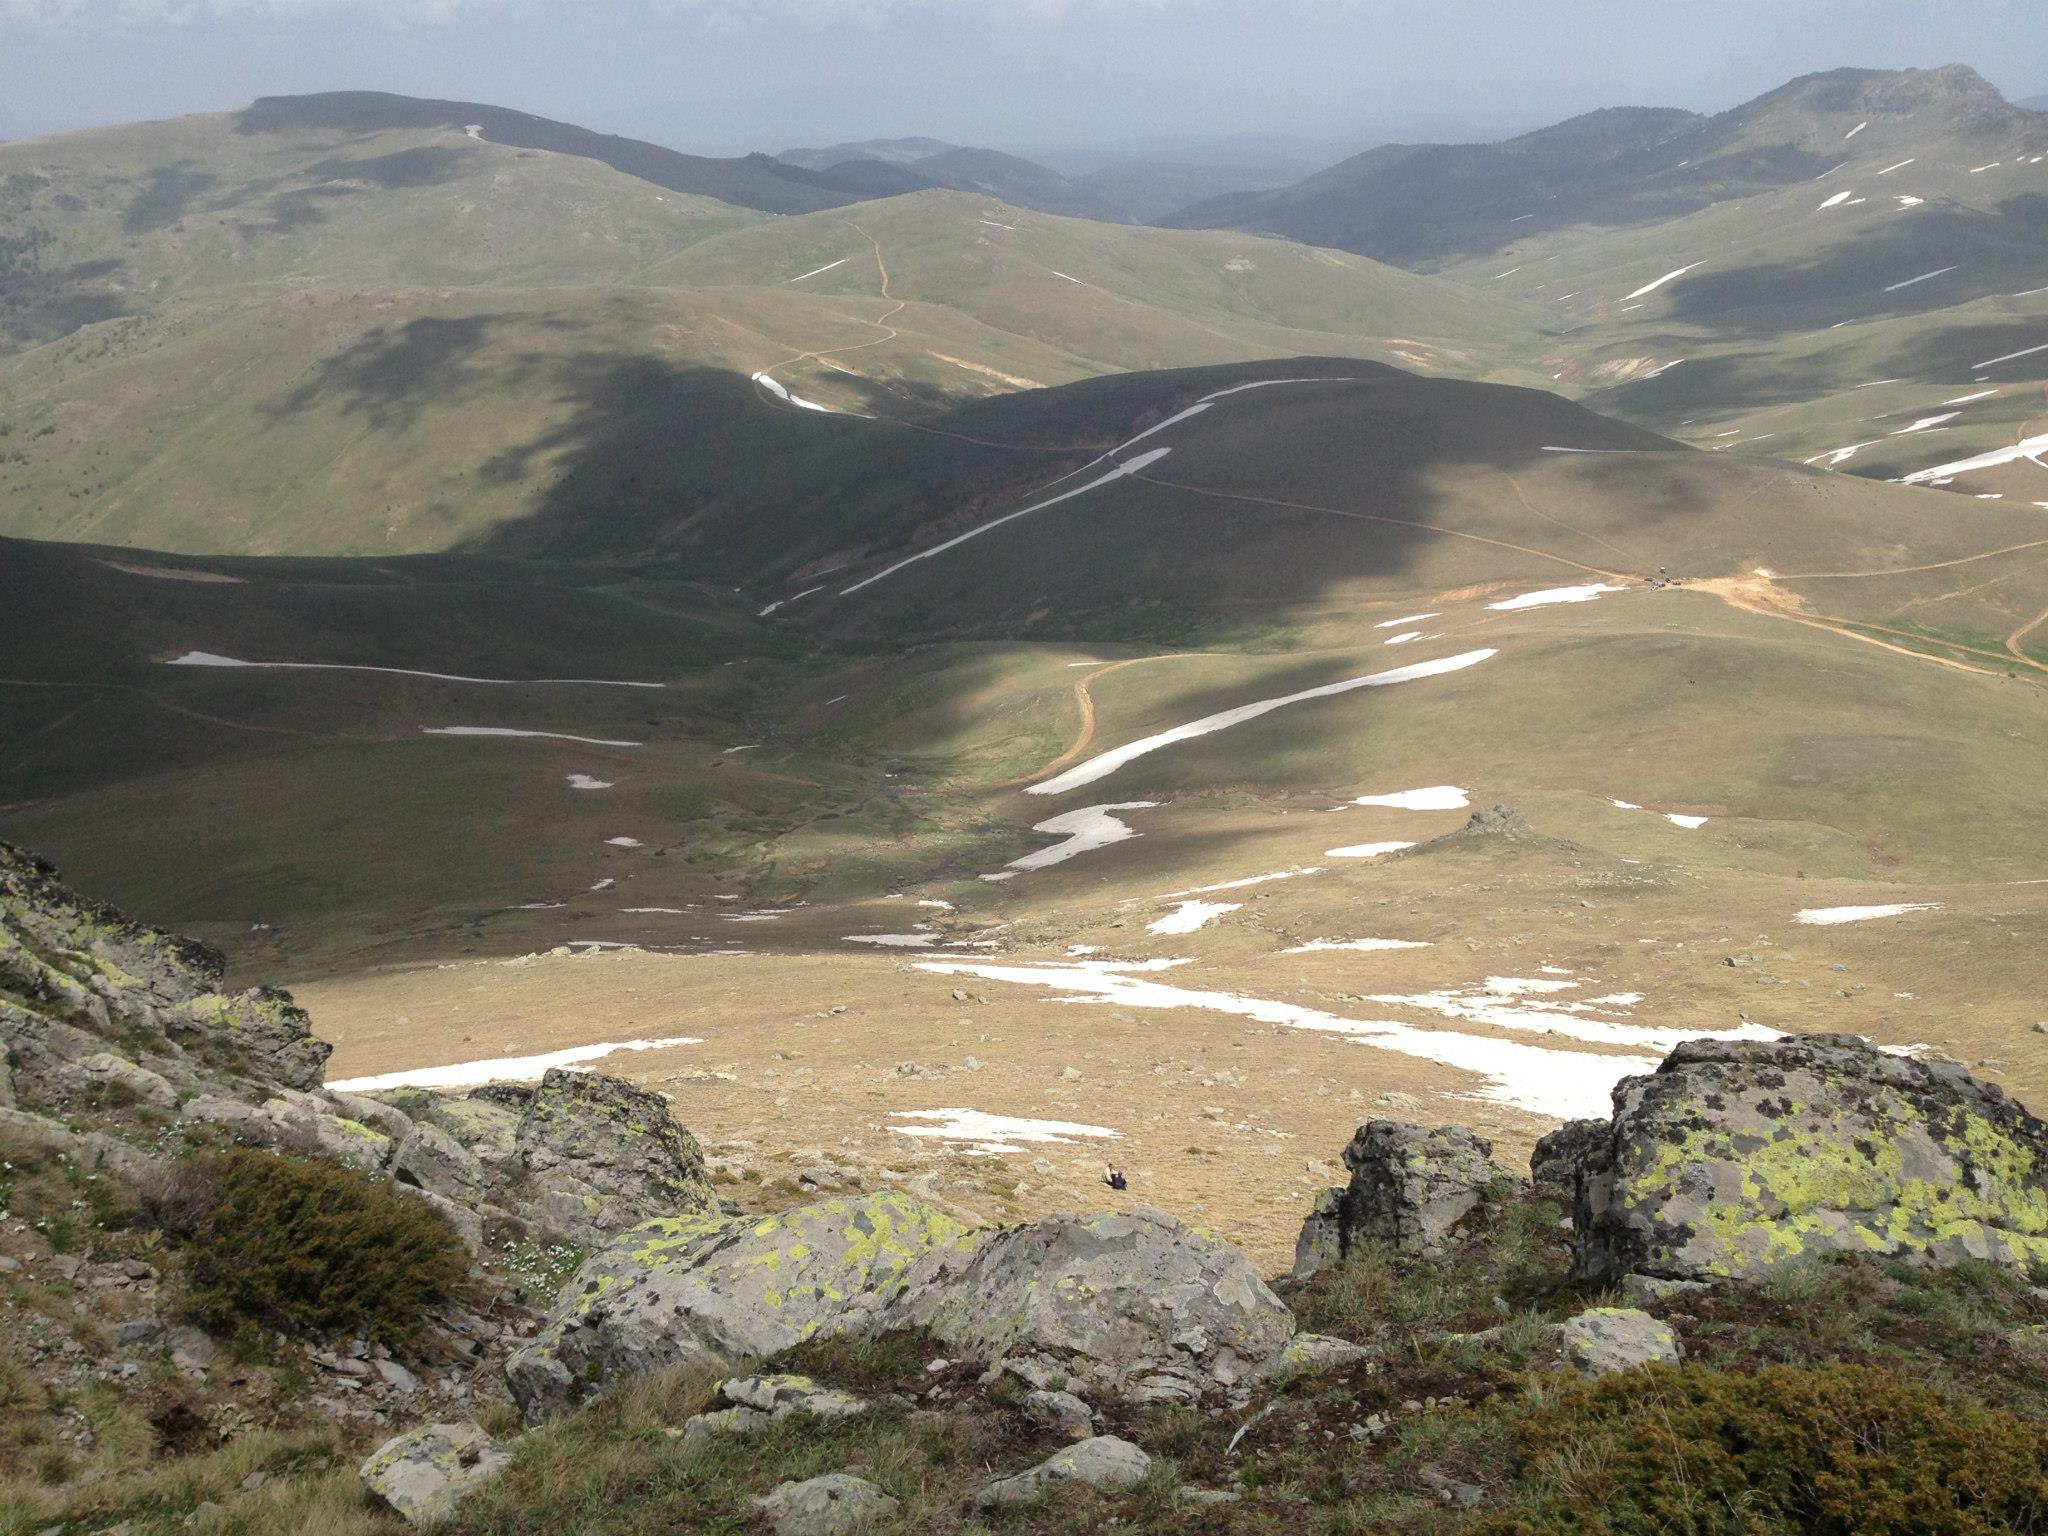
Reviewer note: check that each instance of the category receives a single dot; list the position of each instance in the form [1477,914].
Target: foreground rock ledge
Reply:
[1136,1306]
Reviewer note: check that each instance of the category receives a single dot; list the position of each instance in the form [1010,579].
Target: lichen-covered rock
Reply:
[783,1395]
[1105,1461]
[1604,1340]
[1410,1187]
[1135,1303]
[426,1472]
[1061,1412]
[601,1155]
[832,1505]
[104,1075]
[706,1287]
[1734,1156]
[1555,1161]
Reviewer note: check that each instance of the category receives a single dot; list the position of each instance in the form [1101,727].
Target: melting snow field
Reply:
[585,781]
[996,1133]
[1190,915]
[2028,449]
[503,730]
[1402,623]
[1564,1083]
[1104,764]
[1091,827]
[1365,850]
[1440,797]
[775,387]
[894,940]
[1142,461]
[624,842]
[1544,599]
[504,1069]
[209,659]
[1829,917]
[1362,946]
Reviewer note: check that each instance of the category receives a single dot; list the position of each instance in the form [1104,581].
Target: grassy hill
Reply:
[314,336]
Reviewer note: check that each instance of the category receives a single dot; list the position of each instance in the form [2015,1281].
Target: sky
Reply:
[728,76]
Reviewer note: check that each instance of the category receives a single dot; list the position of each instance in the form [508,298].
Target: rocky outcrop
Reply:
[1136,1306]
[423,1474]
[99,1010]
[1410,1187]
[1735,1156]
[706,1287]
[599,1156]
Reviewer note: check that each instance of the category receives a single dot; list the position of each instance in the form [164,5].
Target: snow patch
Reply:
[1550,595]
[985,1132]
[585,781]
[1091,827]
[502,730]
[1652,287]
[1363,946]
[1438,797]
[1829,917]
[1365,850]
[504,1069]
[1191,915]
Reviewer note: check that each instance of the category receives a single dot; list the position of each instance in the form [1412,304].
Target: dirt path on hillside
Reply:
[1373,517]
[1759,595]
[1085,738]
[2012,641]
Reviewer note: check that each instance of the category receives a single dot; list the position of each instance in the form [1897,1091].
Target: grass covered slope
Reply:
[358,331]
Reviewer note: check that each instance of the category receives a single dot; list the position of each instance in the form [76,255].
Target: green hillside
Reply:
[312,338]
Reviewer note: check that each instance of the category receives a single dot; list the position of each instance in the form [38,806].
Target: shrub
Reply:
[308,1247]
[1837,1451]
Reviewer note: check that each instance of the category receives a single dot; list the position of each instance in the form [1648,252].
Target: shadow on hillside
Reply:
[425,166]
[165,196]
[39,305]
[1977,255]
[390,376]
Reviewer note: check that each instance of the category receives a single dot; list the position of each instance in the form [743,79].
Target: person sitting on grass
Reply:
[1113,1176]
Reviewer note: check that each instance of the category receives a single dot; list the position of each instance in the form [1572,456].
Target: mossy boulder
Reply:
[1736,1156]
[702,1287]
[424,1474]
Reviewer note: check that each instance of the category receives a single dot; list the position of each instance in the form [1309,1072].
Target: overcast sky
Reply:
[725,76]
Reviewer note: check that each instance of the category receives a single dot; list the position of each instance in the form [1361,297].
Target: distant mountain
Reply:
[755,181]
[894,151]
[1428,205]
[2034,103]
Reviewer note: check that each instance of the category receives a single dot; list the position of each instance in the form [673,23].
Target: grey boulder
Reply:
[831,1505]
[1410,1187]
[424,1473]
[600,1156]
[1104,1461]
[1604,1340]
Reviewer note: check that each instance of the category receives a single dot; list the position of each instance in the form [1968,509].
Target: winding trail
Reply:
[2012,641]
[1085,738]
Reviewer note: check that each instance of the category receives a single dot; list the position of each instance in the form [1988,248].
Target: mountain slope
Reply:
[460,335]
[756,181]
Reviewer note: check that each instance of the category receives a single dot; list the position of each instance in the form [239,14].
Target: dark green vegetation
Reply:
[306,1246]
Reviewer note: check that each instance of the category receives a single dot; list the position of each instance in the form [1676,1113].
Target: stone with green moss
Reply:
[424,1474]
[1736,1156]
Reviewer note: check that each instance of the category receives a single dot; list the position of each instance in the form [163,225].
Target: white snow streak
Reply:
[500,730]
[1190,915]
[1365,850]
[209,659]
[1829,917]
[1438,797]
[821,271]
[1105,763]
[2022,450]
[1660,282]
[995,1133]
[1923,277]
[1365,946]
[1545,598]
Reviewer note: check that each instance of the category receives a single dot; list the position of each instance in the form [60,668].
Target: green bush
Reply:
[1837,1451]
[308,1247]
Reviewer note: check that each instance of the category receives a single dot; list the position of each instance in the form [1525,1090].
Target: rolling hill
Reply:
[333,338]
